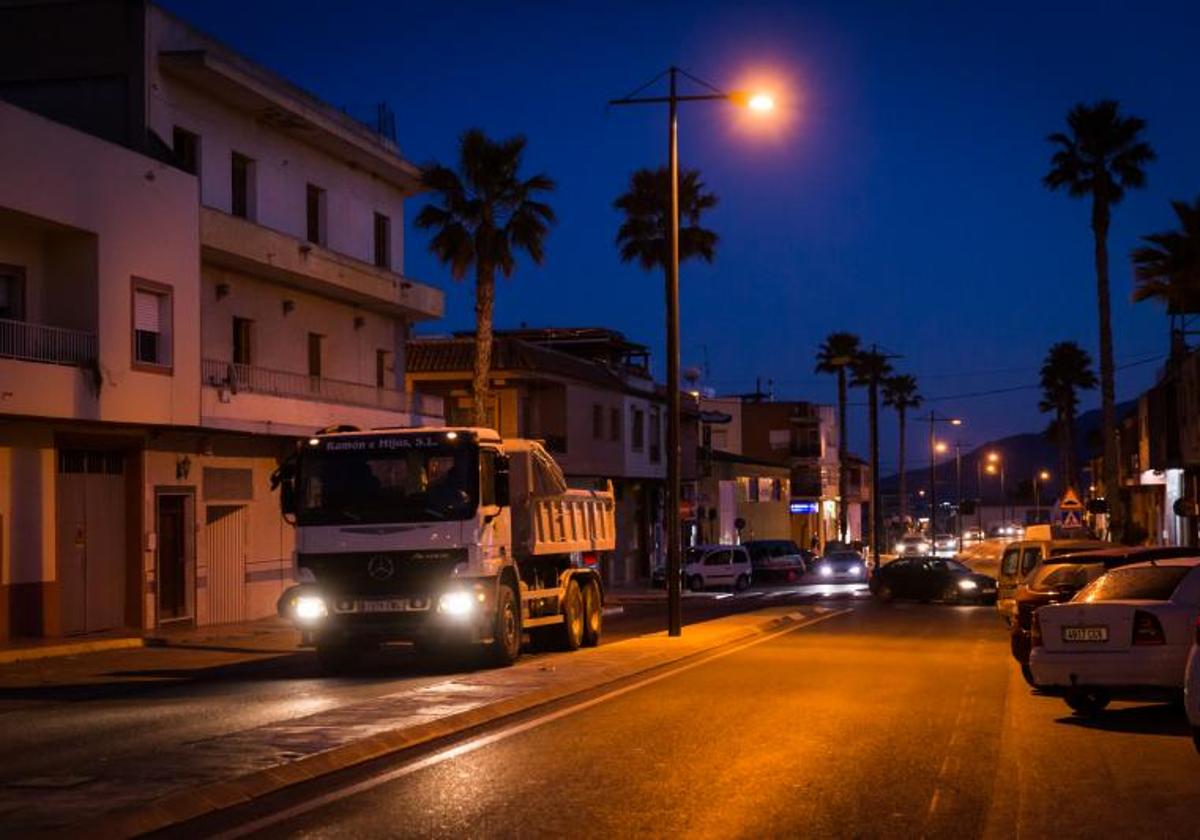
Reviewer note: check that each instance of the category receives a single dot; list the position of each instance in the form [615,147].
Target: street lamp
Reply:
[759,103]
[1043,476]
[996,466]
[933,450]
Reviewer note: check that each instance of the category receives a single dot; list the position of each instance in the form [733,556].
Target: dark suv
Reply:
[1057,578]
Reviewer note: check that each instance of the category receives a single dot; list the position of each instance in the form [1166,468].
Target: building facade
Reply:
[201,263]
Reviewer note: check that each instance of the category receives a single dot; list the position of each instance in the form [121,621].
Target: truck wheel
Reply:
[570,632]
[696,584]
[506,637]
[593,614]
[338,658]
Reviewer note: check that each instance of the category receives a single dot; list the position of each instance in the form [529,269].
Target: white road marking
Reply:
[503,734]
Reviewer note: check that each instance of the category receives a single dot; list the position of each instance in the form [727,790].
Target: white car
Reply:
[913,545]
[841,566]
[1191,688]
[717,565]
[1126,634]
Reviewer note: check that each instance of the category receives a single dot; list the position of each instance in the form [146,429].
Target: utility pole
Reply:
[935,418]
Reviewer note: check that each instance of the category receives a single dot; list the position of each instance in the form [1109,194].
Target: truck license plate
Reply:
[390,605]
[1085,634]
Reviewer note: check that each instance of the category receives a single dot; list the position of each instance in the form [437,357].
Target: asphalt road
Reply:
[51,731]
[897,721]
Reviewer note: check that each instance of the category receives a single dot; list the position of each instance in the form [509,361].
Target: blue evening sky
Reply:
[896,195]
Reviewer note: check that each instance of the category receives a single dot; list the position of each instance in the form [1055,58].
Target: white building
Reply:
[206,264]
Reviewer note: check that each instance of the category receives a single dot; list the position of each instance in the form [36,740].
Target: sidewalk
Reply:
[190,779]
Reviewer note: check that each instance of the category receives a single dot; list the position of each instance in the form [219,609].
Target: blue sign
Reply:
[803,507]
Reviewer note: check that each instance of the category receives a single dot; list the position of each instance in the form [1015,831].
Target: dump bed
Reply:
[547,516]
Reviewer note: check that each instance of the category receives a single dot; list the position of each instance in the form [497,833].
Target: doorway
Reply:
[90,531]
[175,556]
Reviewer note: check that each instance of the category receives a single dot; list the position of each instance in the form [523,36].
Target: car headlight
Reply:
[456,603]
[967,584]
[899,548]
[310,608]
[922,546]
[826,570]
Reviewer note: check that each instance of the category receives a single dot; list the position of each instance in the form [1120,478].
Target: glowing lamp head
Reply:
[940,446]
[1044,475]
[956,422]
[761,102]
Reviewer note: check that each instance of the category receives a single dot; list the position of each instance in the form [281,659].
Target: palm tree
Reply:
[900,393]
[645,233]
[837,353]
[1167,267]
[484,212]
[1102,157]
[870,368]
[1066,371]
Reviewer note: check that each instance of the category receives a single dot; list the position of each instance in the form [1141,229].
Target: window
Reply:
[187,150]
[718,558]
[655,436]
[1136,583]
[637,436]
[241,202]
[383,364]
[243,341]
[1008,566]
[315,346]
[314,203]
[597,422]
[383,241]
[151,325]
[1029,559]
[487,477]
[614,424]
[12,292]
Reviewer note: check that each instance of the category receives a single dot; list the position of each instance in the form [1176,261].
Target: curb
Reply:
[69,649]
[193,803]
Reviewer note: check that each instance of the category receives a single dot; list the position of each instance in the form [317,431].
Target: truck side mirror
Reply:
[287,497]
[501,494]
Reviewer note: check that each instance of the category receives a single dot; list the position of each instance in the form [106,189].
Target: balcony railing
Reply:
[278,383]
[42,343]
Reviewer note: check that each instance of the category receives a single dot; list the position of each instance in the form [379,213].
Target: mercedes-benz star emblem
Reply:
[380,567]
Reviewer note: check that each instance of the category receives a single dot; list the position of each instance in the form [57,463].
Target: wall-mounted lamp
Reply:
[183,467]
[288,306]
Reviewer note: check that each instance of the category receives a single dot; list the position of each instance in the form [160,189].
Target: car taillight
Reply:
[1147,630]
[1035,631]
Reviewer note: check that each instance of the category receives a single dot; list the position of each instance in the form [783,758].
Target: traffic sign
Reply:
[1070,519]
[1070,500]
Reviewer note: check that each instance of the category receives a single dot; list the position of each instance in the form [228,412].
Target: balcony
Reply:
[231,242]
[45,344]
[238,379]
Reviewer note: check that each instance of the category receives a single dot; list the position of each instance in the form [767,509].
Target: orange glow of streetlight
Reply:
[993,457]
[991,469]
[956,421]
[940,447]
[1044,475]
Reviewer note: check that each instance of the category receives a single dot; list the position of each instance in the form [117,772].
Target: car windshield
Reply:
[1066,575]
[845,557]
[694,555]
[1136,583]
[361,480]
[951,566]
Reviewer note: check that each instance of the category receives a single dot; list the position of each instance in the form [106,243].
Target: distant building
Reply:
[198,263]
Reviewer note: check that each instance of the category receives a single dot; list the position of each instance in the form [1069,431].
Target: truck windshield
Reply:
[413,485]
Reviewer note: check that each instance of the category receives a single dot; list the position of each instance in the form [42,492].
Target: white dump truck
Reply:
[443,537]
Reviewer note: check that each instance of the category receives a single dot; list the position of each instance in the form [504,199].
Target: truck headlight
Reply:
[967,585]
[456,603]
[310,608]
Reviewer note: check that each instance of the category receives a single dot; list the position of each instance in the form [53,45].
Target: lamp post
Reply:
[758,102]
[996,465]
[1044,476]
[933,418]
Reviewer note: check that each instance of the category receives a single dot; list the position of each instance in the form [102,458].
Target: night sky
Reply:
[895,194]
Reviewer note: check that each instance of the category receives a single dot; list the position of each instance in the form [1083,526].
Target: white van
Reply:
[717,565]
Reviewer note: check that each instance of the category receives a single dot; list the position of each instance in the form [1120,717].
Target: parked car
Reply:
[973,534]
[931,579]
[1056,580]
[777,559]
[913,545]
[1127,634]
[1191,687]
[717,565]
[841,566]
[1021,557]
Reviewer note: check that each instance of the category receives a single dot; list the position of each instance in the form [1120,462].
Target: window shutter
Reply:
[146,306]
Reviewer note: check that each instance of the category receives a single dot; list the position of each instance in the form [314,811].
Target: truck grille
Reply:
[383,573]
